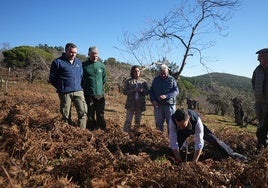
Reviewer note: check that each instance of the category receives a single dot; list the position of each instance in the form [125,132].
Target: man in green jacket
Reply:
[93,82]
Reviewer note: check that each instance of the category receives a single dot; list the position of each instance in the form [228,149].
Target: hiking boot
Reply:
[240,157]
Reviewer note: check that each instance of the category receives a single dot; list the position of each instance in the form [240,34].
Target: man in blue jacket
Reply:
[66,76]
[163,92]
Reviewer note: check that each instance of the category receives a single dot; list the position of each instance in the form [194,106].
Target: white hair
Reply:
[163,67]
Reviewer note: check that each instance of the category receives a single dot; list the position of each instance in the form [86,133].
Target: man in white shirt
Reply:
[184,123]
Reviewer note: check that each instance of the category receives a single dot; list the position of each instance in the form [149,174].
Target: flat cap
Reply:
[264,50]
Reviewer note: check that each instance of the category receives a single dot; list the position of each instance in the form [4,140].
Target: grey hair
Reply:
[93,49]
[163,67]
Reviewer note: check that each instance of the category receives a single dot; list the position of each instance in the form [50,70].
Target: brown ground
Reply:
[38,150]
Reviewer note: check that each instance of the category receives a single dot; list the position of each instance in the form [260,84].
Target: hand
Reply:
[154,103]
[162,97]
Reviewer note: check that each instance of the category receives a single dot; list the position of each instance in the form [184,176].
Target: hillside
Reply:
[238,83]
[215,91]
[37,149]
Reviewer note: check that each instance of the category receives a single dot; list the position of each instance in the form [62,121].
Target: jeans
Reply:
[66,100]
[162,113]
[129,117]
[211,139]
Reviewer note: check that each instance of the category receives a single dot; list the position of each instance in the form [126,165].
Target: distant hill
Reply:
[239,83]
[219,89]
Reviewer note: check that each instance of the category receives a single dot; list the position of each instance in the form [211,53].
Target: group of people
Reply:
[83,85]
[184,123]
[162,92]
[180,123]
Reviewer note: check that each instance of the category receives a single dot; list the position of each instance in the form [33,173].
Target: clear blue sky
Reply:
[103,23]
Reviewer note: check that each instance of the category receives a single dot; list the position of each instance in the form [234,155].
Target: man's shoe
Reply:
[239,156]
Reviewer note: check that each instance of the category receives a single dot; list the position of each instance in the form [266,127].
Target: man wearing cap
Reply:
[93,82]
[260,89]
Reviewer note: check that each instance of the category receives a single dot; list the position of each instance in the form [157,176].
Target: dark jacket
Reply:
[260,84]
[131,103]
[64,76]
[94,78]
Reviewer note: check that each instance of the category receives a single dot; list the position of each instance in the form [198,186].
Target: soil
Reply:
[39,150]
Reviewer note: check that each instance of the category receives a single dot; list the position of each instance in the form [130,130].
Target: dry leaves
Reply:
[38,150]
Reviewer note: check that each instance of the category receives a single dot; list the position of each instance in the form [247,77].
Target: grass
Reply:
[217,122]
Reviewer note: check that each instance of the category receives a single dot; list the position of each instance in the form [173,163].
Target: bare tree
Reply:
[38,67]
[184,28]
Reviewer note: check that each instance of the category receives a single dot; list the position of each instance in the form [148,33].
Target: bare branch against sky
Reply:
[185,29]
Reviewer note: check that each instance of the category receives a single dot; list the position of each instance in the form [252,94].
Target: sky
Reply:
[103,23]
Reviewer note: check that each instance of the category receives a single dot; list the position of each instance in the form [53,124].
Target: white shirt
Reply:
[198,135]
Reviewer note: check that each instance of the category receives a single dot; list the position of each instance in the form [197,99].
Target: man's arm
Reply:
[104,76]
[199,140]
[177,155]
[197,154]
[173,140]
[53,74]
[174,91]
[152,95]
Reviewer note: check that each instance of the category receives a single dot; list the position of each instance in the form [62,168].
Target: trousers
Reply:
[78,99]
[163,113]
[95,113]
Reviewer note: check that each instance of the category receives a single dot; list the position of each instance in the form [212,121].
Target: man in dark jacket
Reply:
[260,90]
[66,75]
[94,79]
[184,123]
